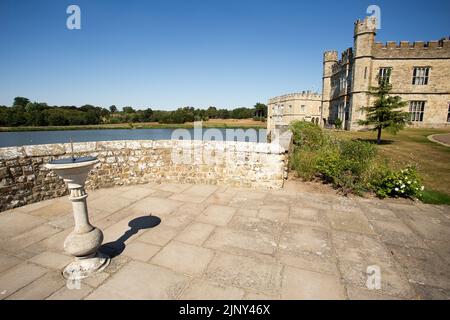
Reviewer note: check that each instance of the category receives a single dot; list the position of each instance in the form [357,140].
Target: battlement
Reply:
[367,25]
[330,56]
[442,43]
[418,49]
[346,58]
[304,95]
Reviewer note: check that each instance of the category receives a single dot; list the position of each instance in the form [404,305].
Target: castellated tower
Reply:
[418,72]
[330,58]
[364,41]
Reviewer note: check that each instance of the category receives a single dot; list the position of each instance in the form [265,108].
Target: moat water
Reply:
[11,139]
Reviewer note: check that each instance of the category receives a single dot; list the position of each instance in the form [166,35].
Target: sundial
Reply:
[85,239]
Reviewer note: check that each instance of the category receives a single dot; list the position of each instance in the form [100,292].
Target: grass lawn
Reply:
[411,146]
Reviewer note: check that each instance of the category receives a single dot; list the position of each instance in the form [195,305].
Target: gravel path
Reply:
[441,138]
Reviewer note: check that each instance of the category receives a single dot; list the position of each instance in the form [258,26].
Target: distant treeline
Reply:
[26,113]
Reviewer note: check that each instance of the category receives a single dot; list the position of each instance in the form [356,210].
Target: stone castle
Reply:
[419,73]
[296,106]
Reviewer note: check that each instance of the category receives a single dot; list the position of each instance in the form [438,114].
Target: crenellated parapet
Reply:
[366,25]
[346,58]
[417,49]
[330,56]
[304,95]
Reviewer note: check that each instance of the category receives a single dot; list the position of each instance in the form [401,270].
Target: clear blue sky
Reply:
[170,53]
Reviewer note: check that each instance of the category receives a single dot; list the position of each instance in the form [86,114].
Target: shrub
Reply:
[304,163]
[338,123]
[345,165]
[397,183]
[348,182]
[349,165]
[356,155]
[308,135]
[329,164]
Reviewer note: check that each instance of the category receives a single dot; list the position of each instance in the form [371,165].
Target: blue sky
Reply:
[169,53]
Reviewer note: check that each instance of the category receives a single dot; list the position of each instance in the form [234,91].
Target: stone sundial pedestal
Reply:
[85,239]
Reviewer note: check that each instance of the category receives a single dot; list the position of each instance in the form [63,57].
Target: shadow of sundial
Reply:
[115,248]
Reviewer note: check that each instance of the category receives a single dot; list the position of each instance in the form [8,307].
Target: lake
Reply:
[10,139]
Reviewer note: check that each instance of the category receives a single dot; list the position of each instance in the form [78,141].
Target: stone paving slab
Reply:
[215,291]
[217,242]
[301,284]
[41,288]
[183,258]
[15,223]
[138,280]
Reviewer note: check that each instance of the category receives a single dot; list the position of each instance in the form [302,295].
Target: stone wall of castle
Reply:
[363,63]
[24,178]
[284,109]
[436,93]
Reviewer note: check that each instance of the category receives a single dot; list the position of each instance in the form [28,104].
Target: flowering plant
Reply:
[404,183]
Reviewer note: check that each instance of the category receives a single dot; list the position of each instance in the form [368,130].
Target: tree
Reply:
[147,115]
[56,118]
[242,113]
[20,101]
[260,110]
[212,113]
[113,109]
[385,113]
[128,110]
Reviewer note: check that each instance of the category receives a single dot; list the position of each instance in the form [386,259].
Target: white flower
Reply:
[421,188]
[409,182]
[396,189]
[402,186]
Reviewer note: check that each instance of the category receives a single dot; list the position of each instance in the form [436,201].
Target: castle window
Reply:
[302,108]
[420,75]
[342,82]
[384,73]
[416,109]
[448,113]
[341,111]
[365,73]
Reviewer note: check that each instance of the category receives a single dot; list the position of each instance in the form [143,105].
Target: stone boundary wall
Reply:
[25,180]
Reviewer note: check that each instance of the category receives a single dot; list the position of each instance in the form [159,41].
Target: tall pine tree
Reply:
[385,113]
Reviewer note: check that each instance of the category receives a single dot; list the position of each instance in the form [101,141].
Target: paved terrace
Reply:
[210,242]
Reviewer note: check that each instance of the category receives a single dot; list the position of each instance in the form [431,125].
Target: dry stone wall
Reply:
[24,179]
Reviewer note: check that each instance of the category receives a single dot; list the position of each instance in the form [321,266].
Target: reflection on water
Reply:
[9,139]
